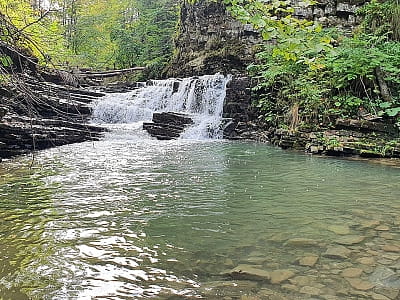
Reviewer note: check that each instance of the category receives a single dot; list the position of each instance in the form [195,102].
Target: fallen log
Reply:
[110,73]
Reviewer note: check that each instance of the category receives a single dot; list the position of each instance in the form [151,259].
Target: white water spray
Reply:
[200,97]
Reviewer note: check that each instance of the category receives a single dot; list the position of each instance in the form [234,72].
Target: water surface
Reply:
[131,217]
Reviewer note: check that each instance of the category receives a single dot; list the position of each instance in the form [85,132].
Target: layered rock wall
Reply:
[211,41]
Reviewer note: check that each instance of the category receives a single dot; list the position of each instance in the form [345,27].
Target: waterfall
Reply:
[200,97]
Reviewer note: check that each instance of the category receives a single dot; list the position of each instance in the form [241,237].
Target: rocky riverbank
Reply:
[346,137]
[37,115]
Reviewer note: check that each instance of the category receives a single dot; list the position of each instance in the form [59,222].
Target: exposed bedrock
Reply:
[37,115]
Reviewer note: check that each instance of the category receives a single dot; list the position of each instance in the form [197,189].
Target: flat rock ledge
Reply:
[45,115]
[167,125]
[350,137]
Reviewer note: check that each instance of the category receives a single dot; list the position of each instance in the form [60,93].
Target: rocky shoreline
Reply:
[36,115]
[346,137]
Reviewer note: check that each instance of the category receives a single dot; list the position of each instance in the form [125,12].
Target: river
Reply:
[130,217]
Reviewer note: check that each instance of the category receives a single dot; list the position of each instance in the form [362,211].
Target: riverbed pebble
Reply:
[349,240]
[301,242]
[339,229]
[382,228]
[308,261]
[360,284]
[309,290]
[279,276]
[367,260]
[352,272]
[391,248]
[249,272]
[337,252]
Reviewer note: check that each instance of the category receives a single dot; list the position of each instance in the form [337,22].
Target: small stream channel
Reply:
[130,217]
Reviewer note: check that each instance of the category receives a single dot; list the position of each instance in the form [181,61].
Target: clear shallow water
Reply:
[130,217]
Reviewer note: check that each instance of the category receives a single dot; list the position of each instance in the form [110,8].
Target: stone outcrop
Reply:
[167,125]
[37,115]
[346,138]
[211,41]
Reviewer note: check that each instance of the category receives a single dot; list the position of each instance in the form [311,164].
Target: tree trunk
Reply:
[385,91]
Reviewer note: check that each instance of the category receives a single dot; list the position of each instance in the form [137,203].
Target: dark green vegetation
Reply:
[308,76]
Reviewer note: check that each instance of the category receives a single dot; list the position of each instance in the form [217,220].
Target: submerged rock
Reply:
[249,272]
[308,261]
[359,284]
[386,277]
[337,252]
[279,276]
[339,229]
[350,240]
[352,272]
[301,242]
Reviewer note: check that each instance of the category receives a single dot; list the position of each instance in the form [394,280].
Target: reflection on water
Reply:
[131,217]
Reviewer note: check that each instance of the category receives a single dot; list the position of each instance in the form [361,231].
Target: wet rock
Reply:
[360,284]
[370,224]
[387,235]
[352,272]
[337,252]
[368,260]
[391,256]
[308,261]
[382,228]
[375,296]
[391,293]
[385,261]
[233,289]
[249,272]
[279,276]
[289,287]
[167,125]
[339,229]
[350,240]
[391,248]
[303,280]
[265,293]
[301,242]
[309,290]
[386,277]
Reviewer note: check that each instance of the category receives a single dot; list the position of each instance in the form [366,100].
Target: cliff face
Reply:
[211,41]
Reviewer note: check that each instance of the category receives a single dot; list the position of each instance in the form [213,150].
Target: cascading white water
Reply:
[201,97]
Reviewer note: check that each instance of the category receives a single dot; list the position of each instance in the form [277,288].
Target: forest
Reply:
[92,34]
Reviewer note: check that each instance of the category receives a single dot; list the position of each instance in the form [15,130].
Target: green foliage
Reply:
[5,61]
[30,29]
[300,67]
[98,34]
[147,41]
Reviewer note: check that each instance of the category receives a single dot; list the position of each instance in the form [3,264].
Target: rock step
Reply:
[167,125]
